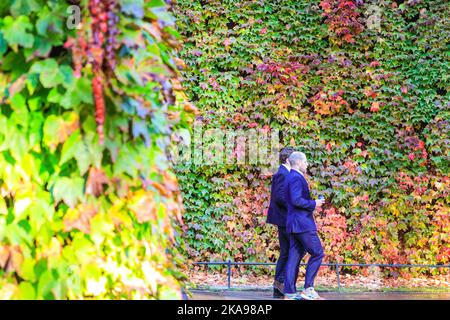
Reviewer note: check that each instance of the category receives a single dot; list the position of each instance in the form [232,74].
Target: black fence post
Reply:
[229,273]
[337,276]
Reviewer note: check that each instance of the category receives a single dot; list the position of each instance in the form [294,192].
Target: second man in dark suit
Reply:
[277,215]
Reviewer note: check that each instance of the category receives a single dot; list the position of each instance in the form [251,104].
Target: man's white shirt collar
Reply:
[287,167]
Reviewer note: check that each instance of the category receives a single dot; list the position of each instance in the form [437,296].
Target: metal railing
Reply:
[337,266]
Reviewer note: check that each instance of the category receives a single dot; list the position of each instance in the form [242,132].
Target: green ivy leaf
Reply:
[54,96]
[3,45]
[126,161]
[27,269]
[41,48]
[26,291]
[101,228]
[21,113]
[25,7]
[35,103]
[74,147]
[78,92]
[32,82]
[51,128]
[49,72]
[15,32]
[49,22]
[15,141]
[45,285]
[70,190]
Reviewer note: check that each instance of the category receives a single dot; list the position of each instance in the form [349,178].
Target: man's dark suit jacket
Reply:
[277,207]
[299,204]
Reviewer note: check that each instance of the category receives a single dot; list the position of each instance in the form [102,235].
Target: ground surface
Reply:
[267,295]
[325,281]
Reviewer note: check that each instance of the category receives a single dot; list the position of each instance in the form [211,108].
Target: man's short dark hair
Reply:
[285,153]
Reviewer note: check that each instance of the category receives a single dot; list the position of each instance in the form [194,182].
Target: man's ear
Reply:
[288,163]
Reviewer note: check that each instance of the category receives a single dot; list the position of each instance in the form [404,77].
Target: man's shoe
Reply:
[278,288]
[310,294]
[292,296]
[277,294]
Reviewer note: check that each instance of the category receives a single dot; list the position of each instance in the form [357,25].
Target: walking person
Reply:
[277,216]
[302,230]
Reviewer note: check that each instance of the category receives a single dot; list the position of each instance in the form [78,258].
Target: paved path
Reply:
[267,295]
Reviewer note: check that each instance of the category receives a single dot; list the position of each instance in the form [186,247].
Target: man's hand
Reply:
[319,203]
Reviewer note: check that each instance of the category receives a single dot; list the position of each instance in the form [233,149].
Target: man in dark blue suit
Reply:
[277,215]
[302,230]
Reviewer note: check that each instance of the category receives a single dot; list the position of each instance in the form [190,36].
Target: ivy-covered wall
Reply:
[89,203]
[362,87]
